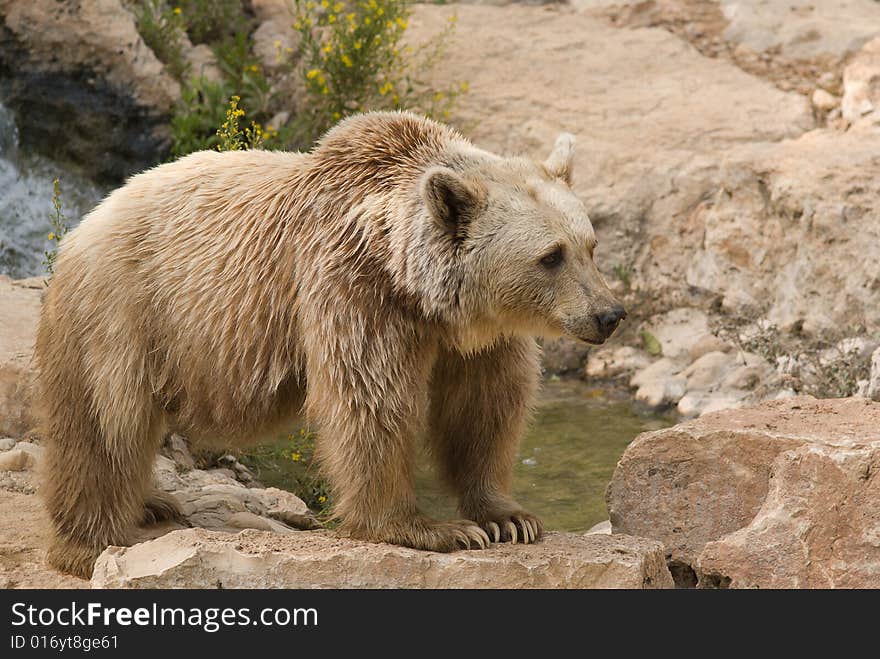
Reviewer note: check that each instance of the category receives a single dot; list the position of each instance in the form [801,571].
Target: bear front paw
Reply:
[518,526]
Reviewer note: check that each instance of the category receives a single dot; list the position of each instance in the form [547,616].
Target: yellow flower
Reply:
[350,18]
[337,116]
[327,48]
[325,4]
[325,91]
[367,20]
[464,86]
[322,499]
[297,25]
[310,5]
[178,11]
[338,7]
[438,96]
[296,457]
[311,75]
[387,87]
[51,236]
[277,43]
[347,61]
[401,23]
[331,18]
[254,68]
[357,44]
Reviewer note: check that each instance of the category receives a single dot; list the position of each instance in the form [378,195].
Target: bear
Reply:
[391,283]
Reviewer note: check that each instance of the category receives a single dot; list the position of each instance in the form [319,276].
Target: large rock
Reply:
[84,85]
[861,85]
[19,311]
[196,558]
[783,493]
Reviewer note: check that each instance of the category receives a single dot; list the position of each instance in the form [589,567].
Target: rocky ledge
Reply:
[785,494]
[197,558]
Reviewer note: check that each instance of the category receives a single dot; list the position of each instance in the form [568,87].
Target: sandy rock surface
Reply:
[197,558]
[19,311]
[780,494]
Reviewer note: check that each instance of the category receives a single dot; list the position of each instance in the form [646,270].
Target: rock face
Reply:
[84,85]
[19,311]
[197,558]
[784,494]
[861,86]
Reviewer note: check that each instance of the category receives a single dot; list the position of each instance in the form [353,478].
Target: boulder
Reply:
[196,558]
[861,85]
[729,488]
[83,84]
[872,389]
[20,310]
[611,362]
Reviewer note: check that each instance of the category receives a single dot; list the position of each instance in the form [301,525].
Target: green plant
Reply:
[201,110]
[623,272]
[651,344]
[353,60]
[210,21]
[231,136]
[290,464]
[58,223]
[162,29]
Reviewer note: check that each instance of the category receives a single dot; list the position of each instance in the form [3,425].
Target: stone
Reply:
[801,29]
[177,449]
[662,392]
[872,389]
[730,493]
[70,70]
[202,63]
[20,310]
[563,355]
[15,460]
[678,330]
[6,443]
[602,528]
[611,362]
[819,526]
[707,372]
[708,343]
[861,85]
[196,558]
[824,101]
[662,368]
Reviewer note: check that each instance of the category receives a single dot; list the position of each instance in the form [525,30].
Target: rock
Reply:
[801,29]
[6,443]
[84,86]
[177,449]
[819,526]
[33,450]
[660,369]
[861,85]
[678,330]
[15,460]
[20,310]
[610,362]
[564,355]
[214,499]
[824,101]
[275,40]
[202,63]
[704,484]
[662,392]
[707,372]
[196,558]
[602,528]
[707,343]
[872,390]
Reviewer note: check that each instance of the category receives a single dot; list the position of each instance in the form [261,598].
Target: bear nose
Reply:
[609,320]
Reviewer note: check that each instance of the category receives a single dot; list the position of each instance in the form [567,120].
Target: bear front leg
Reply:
[479,406]
[368,395]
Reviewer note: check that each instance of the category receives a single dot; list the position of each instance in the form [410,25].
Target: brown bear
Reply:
[388,283]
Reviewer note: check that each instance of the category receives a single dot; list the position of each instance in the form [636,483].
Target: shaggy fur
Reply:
[388,283]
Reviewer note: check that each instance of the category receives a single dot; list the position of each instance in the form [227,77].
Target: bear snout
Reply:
[608,320]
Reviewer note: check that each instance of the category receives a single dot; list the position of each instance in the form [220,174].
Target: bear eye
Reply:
[553,259]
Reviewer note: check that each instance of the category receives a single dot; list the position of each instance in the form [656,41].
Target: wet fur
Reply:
[224,294]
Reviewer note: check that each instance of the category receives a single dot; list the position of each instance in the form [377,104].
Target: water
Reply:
[564,465]
[26,201]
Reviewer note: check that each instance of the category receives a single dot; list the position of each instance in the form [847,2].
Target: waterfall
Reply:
[26,201]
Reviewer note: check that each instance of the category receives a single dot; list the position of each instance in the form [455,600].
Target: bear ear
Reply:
[559,163]
[452,201]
